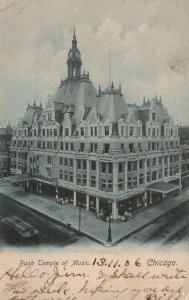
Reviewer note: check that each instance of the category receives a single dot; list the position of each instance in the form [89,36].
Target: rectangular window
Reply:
[154,162]
[82,147]
[79,164]
[134,165]
[153,116]
[62,146]
[154,176]
[93,181]
[95,131]
[120,167]
[141,179]
[131,131]
[60,174]
[65,162]
[92,131]
[106,148]
[131,147]
[140,163]
[82,131]
[110,168]
[93,165]
[84,164]
[66,146]
[70,177]
[66,175]
[103,167]
[148,177]
[120,184]
[55,132]
[49,159]
[60,161]
[71,147]
[66,131]
[106,130]
[148,162]
[129,166]
[71,162]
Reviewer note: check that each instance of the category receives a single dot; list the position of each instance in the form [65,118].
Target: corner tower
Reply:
[74,60]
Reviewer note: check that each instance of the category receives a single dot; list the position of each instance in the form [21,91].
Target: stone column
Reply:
[74,170]
[114,210]
[97,204]
[88,172]
[87,202]
[74,199]
[168,165]
[115,177]
[137,173]
[145,171]
[97,174]
[163,166]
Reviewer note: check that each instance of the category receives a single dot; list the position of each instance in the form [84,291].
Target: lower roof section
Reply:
[19,178]
[163,187]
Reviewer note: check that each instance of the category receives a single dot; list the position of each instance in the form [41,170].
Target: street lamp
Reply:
[109,240]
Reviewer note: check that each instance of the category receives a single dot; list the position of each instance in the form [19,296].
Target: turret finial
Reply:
[74,36]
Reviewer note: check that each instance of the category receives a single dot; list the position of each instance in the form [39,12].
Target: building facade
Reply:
[5,158]
[184,140]
[95,149]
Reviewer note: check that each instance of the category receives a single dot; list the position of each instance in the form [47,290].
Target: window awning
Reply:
[163,187]
[19,178]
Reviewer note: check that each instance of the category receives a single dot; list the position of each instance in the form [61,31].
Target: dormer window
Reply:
[131,131]
[153,116]
[66,131]
[82,131]
[106,130]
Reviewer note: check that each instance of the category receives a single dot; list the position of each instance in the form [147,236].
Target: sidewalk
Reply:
[93,228]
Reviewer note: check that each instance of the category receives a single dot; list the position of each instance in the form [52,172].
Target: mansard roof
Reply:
[111,105]
[78,97]
[31,112]
[153,105]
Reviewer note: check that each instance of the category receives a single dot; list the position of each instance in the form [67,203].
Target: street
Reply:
[167,232]
[50,233]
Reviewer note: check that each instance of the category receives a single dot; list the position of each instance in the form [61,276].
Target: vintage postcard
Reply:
[94,149]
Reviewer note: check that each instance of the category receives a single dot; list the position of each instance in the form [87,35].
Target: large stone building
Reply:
[184,140]
[95,149]
[5,158]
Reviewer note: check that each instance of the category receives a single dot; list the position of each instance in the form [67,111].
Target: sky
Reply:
[149,50]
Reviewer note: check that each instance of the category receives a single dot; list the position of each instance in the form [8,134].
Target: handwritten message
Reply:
[94,278]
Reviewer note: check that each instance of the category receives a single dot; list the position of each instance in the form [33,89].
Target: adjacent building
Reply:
[95,149]
[184,140]
[5,158]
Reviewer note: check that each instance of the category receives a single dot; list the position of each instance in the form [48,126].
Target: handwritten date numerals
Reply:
[103,262]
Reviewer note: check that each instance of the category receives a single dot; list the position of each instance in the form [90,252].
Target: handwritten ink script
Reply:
[94,278]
